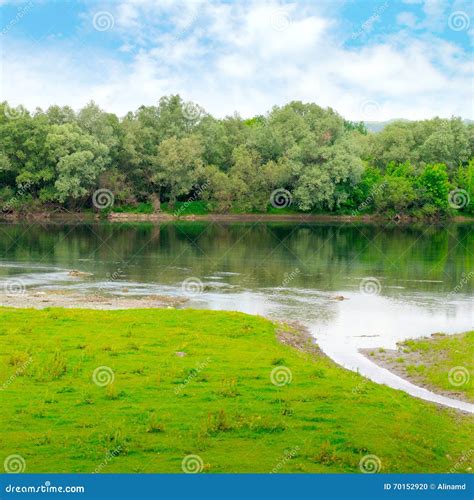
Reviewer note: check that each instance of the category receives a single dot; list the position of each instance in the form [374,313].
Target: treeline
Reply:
[299,156]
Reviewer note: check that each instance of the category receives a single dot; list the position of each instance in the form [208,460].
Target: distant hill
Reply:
[378,126]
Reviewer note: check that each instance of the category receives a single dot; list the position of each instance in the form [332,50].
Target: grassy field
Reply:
[444,362]
[167,390]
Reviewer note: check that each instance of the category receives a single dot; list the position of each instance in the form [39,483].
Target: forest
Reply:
[296,158]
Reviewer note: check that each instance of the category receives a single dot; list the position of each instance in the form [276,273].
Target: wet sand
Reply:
[69,299]
[388,359]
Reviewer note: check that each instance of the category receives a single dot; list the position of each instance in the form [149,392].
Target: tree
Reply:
[220,138]
[22,142]
[105,127]
[218,189]
[59,115]
[448,144]
[79,159]
[178,165]
[464,180]
[433,187]
[324,175]
[395,143]
[395,195]
[136,160]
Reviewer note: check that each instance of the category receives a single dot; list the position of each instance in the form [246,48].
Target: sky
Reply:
[371,60]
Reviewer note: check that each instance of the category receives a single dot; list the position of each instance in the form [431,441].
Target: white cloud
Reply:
[435,11]
[244,57]
[407,19]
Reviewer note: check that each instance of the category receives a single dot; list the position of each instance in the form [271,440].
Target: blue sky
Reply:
[369,60]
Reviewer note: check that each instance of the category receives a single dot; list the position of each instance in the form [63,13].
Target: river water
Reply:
[353,285]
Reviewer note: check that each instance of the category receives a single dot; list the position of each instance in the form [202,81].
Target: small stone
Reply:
[180,354]
[76,274]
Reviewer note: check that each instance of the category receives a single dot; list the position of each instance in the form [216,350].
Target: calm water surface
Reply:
[399,282]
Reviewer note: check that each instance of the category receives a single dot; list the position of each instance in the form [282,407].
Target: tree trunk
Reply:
[172,201]
[155,202]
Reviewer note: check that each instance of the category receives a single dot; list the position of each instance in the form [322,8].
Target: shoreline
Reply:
[387,359]
[73,300]
[125,217]
[290,333]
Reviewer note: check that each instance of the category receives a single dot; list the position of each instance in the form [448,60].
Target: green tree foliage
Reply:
[178,165]
[422,142]
[464,180]
[175,151]
[78,159]
[433,187]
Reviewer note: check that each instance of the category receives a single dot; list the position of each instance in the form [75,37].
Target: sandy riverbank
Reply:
[163,217]
[70,299]
[398,360]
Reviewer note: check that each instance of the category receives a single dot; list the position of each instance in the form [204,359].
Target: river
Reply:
[353,285]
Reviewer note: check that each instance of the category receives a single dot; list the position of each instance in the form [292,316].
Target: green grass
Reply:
[199,207]
[217,401]
[140,208]
[445,362]
[181,208]
[291,210]
[187,208]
